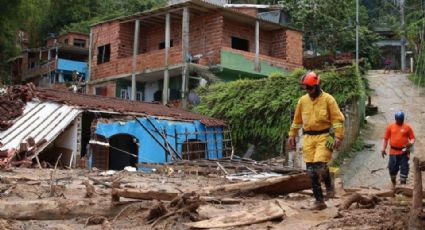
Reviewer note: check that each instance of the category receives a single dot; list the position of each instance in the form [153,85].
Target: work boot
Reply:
[318,205]
[393,182]
[330,194]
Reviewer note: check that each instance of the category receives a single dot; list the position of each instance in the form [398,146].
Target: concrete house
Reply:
[166,52]
[62,62]
[108,133]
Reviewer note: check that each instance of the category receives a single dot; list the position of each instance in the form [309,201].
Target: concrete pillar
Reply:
[257,46]
[165,94]
[185,52]
[135,53]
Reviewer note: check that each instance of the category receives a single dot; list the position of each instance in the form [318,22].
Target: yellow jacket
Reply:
[318,114]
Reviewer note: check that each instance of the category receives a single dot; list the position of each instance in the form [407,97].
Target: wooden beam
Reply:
[416,211]
[273,185]
[250,216]
[151,15]
[54,209]
[143,195]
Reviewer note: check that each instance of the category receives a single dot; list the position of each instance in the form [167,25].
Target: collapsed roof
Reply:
[12,102]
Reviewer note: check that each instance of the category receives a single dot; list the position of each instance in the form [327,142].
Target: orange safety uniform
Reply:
[399,136]
[315,115]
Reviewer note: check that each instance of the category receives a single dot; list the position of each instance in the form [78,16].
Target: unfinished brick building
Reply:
[61,62]
[180,44]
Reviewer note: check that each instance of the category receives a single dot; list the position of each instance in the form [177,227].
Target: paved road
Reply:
[391,92]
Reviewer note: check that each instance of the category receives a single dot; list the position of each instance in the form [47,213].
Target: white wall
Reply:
[150,89]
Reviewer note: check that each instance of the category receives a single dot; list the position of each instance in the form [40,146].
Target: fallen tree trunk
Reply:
[142,195]
[54,209]
[416,211]
[273,185]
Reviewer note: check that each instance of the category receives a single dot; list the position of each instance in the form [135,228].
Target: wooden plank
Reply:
[416,211]
[143,195]
[273,185]
[252,215]
[54,209]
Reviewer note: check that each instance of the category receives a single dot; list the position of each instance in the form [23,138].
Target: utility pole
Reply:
[357,34]
[402,38]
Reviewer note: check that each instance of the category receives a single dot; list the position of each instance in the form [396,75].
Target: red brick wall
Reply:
[204,38]
[294,47]
[208,33]
[70,36]
[110,88]
[236,29]
[278,44]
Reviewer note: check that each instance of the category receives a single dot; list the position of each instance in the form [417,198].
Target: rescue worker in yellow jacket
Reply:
[322,123]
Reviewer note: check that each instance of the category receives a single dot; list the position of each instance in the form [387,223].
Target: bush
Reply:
[259,111]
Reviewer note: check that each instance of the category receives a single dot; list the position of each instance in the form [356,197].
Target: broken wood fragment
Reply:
[370,202]
[96,181]
[54,209]
[90,192]
[222,168]
[142,195]
[156,211]
[273,185]
[253,215]
[415,221]
[216,200]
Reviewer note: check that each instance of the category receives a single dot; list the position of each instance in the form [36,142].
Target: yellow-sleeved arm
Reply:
[337,119]
[297,123]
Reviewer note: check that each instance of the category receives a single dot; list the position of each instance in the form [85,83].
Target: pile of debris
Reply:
[12,102]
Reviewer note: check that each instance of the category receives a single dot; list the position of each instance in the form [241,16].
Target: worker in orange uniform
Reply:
[401,138]
[322,123]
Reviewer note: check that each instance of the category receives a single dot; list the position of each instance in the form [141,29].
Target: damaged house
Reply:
[161,54]
[42,126]
[62,62]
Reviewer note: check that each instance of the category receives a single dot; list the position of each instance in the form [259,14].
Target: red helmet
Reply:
[310,79]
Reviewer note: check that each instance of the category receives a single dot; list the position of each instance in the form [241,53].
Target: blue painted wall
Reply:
[150,150]
[70,65]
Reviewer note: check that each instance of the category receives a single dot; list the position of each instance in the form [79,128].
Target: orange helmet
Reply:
[310,79]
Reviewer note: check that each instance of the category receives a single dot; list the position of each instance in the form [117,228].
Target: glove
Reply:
[337,143]
[383,153]
[291,142]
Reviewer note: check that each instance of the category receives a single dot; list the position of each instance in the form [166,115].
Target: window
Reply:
[240,44]
[193,149]
[103,53]
[66,41]
[161,45]
[100,91]
[80,43]
[124,94]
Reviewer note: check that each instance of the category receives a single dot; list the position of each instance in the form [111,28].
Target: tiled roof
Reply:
[92,102]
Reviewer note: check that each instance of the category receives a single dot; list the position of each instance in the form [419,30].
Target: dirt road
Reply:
[391,92]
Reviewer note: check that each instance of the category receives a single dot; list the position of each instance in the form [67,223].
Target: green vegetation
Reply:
[259,111]
[41,18]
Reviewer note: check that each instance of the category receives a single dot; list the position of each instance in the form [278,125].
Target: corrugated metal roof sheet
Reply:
[40,120]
